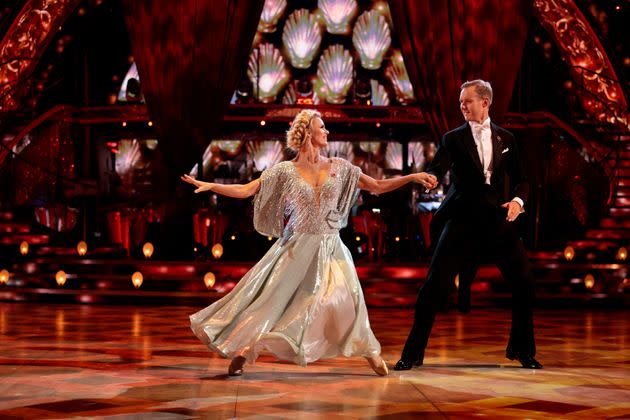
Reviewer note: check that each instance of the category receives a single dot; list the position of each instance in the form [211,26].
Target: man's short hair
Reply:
[482,88]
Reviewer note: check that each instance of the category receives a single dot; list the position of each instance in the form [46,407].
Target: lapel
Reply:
[497,146]
[469,144]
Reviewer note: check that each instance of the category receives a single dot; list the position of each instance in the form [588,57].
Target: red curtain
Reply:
[446,42]
[190,56]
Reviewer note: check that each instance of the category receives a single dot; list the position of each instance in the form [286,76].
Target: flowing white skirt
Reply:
[301,302]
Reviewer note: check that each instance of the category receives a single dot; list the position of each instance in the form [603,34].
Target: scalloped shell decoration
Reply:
[290,96]
[265,154]
[416,155]
[335,70]
[379,94]
[272,11]
[267,72]
[337,14]
[371,38]
[342,149]
[301,36]
[207,155]
[370,146]
[397,74]
[393,156]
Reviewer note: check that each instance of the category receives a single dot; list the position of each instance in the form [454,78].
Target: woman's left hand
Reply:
[427,180]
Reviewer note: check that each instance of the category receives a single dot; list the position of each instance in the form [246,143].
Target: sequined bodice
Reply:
[285,196]
[308,207]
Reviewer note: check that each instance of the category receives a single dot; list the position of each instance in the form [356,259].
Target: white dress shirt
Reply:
[482,133]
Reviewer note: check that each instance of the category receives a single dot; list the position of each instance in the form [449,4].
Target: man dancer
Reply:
[475,221]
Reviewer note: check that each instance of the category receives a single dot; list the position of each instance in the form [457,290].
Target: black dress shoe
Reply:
[403,364]
[528,362]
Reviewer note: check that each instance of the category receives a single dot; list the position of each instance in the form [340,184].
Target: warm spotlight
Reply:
[233,237]
[147,250]
[269,238]
[150,123]
[263,122]
[589,281]
[358,238]
[217,251]
[24,248]
[457,281]
[569,253]
[209,280]
[4,277]
[82,248]
[124,123]
[61,277]
[136,279]
[622,254]
[397,238]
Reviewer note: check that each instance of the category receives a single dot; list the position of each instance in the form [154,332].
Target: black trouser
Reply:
[474,237]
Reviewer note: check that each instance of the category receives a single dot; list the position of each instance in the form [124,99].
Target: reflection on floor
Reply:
[75,361]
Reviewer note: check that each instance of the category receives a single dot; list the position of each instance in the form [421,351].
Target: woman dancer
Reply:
[302,301]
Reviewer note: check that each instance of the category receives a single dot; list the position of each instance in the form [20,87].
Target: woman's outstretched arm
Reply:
[229,190]
[385,185]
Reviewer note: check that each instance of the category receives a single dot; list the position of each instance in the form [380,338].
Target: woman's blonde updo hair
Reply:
[297,133]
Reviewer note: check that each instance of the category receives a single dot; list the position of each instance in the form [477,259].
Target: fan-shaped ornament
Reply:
[272,11]
[265,154]
[379,94]
[342,149]
[337,14]
[397,74]
[393,156]
[267,72]
[334,71]
[301,36]
[371,38]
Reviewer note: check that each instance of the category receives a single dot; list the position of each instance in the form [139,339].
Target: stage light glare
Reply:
[217,251]
[61,277]
[147,250]
[209,280]
[569,253]
[589,281]
[136,279]
[4,277]
[82,248]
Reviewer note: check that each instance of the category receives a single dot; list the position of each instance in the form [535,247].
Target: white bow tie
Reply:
[480,126]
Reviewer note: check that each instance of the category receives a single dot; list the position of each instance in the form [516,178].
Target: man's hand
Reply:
[514,209]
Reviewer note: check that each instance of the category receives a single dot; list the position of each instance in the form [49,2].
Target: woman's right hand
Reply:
[201,186]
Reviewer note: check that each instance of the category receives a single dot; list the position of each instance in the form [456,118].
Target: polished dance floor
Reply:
[59,361]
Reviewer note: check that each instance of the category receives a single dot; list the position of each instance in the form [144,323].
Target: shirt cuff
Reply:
[519,201]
